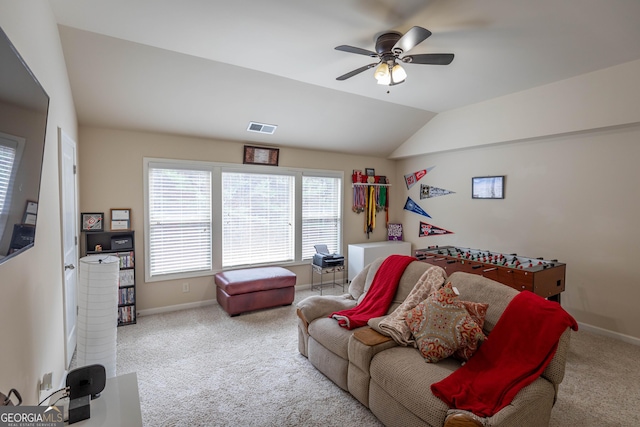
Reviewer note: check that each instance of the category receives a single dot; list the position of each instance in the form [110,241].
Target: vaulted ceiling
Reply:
[207,68]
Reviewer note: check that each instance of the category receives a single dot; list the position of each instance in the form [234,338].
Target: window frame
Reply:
[216,169]
[173,164]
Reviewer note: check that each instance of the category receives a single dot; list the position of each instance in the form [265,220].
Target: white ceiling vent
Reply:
[262,128]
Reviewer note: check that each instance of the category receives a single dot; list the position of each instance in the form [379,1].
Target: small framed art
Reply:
[92,221]
[120,219]
[394,232]
[487,187]
[30,213]
[261,155]
[32,207]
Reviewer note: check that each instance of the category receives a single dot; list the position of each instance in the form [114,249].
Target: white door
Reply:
[69,214]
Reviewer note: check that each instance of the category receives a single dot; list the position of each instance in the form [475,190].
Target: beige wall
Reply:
[569,151]
[31,291]
[596,100]
[572,198]
[111,176]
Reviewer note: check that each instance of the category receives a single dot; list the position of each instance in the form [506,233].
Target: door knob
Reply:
[69,266]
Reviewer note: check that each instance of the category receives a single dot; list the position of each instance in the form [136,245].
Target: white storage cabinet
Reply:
[362,254]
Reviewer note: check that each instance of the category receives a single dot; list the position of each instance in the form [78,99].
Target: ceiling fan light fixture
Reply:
[382,74]
[389,46]
[398,73]
[387,74]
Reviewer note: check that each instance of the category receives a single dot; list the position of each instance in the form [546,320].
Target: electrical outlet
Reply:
[185,287]
[46,381]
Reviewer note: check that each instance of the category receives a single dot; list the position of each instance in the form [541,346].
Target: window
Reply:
[257,218]
[179,221]
[7,156]
[203,217]
[10,152]
[321,213]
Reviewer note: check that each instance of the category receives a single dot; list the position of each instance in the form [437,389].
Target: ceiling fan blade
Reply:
[411,39]
[357,71]
[429,58]
[357,50]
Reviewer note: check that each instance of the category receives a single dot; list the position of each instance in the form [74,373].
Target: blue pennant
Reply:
[413,207]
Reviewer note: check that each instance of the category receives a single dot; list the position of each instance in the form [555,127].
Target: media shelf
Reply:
[122,245]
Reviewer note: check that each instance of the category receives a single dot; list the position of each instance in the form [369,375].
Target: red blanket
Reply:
[378,299]
[518,350]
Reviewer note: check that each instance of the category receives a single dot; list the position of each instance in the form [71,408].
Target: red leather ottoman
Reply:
[239,291]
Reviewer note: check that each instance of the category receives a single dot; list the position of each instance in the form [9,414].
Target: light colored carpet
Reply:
[199,367]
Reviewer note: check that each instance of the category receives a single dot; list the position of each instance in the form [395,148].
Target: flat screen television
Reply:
[24,107]
[487,187]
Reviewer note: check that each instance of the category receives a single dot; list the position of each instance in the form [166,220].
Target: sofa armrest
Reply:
[305,324]
[316,306]
[364,344]
[461,420]
[370,337]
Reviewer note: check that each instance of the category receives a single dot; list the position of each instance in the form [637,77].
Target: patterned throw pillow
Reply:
[477,311]
[441,325]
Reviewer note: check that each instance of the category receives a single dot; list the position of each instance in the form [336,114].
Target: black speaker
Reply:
[84,384]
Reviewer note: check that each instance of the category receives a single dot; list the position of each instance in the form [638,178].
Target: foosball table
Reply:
[540,276]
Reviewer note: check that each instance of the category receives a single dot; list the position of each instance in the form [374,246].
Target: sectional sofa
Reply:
[393,380]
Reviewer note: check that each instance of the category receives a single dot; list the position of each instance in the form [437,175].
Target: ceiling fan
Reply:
[389,46]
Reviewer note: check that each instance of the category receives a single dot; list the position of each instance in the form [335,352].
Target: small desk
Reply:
[118,404]
[316,269]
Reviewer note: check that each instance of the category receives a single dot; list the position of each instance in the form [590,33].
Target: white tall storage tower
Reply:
[98,311]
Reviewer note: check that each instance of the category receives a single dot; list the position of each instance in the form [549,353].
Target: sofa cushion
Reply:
[408,280]
[402,373]
[481,289]
[332,337]
[441,325]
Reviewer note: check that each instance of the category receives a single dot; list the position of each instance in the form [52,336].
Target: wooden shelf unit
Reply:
[122,245]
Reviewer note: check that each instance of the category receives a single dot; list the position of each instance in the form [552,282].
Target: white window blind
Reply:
[257,218]
[321,213]
[7,159]
[180,238]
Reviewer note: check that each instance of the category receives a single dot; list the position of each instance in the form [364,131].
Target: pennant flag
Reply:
[412,178]
[413,207]
[432,230]
[427,191]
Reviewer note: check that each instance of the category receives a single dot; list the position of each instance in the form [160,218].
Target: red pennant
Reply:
[432,230]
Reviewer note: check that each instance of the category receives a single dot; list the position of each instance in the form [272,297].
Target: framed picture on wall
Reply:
[92,221]
[30,213]
[487,187]
[261,156]
[120,219]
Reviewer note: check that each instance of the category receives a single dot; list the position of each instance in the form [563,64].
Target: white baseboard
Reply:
[583,326]
[607,333]
[176,307]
